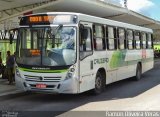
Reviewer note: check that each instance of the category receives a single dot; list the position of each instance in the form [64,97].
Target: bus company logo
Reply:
[41,78]
[101,61]
[40,68]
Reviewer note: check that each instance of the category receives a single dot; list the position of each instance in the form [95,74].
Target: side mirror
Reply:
[13,34]
[11,37]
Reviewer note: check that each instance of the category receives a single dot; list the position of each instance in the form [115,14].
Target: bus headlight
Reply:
[70,74]
[18,73]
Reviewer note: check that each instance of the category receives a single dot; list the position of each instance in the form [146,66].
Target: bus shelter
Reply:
[12,10]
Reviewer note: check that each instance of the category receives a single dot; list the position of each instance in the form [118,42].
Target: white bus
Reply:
[61,52]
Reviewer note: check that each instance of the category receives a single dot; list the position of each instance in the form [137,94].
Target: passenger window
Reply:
[121,38]
[137,40]
[99,40]
[144,40]
[130,42]
[111,38]
[149,41]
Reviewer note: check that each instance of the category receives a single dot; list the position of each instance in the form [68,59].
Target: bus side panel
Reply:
[112,66]
[123,68]
[128,60]
[87,74]
[132,57]
[148,60]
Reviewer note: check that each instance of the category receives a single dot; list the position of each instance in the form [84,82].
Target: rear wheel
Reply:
[138,72]
[99,84]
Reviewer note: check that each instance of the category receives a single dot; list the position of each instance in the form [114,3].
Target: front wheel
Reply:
[99,84]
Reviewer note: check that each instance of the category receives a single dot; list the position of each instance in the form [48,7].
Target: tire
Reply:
[138,72]
[99,84]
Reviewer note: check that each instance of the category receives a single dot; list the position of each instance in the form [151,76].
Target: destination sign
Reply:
[48,19]
[41,19]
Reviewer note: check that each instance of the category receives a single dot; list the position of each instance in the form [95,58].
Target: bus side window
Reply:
[99,37]
[144,40]
[137,40]
[85,43]
[130,39]
[149,41]
[152,41]
[121,38]
[111,38]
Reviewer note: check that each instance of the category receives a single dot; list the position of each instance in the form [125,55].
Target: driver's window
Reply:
[85,43]
[85,40]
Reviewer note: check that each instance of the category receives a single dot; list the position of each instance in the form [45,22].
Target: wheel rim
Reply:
[98,83]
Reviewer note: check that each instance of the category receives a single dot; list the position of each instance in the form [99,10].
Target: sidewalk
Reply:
[6,89]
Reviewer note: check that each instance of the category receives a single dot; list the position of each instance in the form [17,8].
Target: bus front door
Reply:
[86,57]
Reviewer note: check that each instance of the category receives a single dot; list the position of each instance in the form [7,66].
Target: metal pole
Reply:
[125,4]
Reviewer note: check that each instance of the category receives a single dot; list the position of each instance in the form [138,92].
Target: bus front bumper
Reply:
[68,86]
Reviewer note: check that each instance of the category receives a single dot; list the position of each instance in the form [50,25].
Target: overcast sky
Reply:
[150,8]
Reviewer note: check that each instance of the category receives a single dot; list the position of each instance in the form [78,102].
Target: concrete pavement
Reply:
[6,89]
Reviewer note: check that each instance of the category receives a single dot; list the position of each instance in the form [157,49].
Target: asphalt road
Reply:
[126,95]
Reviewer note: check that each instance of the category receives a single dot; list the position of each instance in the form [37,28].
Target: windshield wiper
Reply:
[57,29]
[54,33]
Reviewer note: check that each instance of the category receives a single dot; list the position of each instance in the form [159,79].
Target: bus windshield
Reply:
[47,46]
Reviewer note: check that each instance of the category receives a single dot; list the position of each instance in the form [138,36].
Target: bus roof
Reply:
[89,18]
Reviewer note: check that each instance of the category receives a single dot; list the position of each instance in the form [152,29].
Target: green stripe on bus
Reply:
[43,71]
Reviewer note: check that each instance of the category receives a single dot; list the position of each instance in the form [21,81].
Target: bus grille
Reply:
[42,79]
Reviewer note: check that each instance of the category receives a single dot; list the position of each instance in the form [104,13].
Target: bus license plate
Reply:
[41,86]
